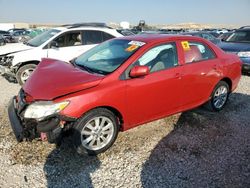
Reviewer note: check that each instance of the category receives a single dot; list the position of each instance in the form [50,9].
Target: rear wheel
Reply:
[96,131]
[219,97]
[24,73]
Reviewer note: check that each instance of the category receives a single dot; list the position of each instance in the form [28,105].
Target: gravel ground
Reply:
[192,149]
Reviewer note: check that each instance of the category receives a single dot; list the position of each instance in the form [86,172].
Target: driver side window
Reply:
[69,39]
[159,57]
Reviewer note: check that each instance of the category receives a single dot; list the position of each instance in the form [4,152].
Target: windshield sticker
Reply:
[185,45]
[132,48]
[136,43]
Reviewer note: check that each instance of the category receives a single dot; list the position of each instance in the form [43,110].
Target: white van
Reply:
[19,60]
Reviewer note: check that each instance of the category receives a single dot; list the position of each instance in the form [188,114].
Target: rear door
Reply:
[200,72]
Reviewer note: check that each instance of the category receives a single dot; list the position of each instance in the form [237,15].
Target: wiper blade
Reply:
[72,61]
[85,67]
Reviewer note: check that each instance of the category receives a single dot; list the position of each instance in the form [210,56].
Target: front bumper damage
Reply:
[29,129]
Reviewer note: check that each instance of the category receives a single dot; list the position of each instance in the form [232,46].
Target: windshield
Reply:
[43,37]
[239,36]
[108,56]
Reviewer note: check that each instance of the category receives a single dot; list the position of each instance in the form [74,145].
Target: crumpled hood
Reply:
[53,78]
[13,47]
[234,47]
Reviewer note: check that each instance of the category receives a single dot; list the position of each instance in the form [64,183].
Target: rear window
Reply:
[95,37]
[239,36]
[196,51]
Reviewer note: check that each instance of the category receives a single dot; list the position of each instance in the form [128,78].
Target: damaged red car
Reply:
[120,84]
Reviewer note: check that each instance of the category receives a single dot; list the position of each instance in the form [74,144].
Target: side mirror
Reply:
[139,71]
[54,44]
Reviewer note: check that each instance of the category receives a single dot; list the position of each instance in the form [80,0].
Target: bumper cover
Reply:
[246,68]
[23,129]
[15,121]
[245,64]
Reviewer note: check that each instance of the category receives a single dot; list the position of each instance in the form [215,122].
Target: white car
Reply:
[65,43]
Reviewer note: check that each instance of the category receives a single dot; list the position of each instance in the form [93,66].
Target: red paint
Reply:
[141,99]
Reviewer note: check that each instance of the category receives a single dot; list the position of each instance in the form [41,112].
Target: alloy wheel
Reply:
[97,133]
[220,97]
[26,74]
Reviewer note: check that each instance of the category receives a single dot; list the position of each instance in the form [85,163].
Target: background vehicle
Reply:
[6,35]
[19,35]
[2,41]
[18,61]
[239,43]
[120,84]
[224,36]
[204,35]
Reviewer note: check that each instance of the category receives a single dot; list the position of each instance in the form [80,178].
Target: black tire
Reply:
[210,105]
[86,120]
[22,71]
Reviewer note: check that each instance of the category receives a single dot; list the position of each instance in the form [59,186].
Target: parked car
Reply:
[239,43]
[205,35]
[18,61]
[11,31]
[19,35]
[125,32]
[6,35]
[2,41]
[215,34]
[224,36]
[119,84]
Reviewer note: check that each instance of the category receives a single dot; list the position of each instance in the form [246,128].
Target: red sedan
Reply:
[120,84]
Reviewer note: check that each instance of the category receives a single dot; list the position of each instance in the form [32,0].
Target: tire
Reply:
[24,73]
[96,131]
[219,97]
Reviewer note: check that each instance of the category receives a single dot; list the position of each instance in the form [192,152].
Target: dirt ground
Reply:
[191,149]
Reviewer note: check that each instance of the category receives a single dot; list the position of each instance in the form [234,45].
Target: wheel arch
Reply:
[228,81]
[19,65]
[117,113]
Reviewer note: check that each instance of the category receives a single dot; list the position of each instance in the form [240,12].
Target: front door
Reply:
[158,93]
[68,46]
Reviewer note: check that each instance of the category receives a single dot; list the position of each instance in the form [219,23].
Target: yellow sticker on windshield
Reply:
[131,48]
[185,45]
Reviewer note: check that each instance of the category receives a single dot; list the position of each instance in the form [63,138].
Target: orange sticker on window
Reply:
[185,45]
[131,48]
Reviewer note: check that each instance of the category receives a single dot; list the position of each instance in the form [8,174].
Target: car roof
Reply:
[63,28]
[243,29]
[151,38]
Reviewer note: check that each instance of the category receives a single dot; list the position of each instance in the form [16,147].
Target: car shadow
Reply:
[205,149]
[64,167]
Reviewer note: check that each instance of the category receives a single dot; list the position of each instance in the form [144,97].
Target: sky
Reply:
[236,12]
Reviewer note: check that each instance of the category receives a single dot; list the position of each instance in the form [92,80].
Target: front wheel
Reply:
[24,73]
[218,97]
[96,131]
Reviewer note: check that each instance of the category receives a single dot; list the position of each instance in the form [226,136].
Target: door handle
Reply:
[178,75]
[215,67]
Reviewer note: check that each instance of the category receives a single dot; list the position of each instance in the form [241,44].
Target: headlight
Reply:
[244,54]
[42,109]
